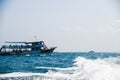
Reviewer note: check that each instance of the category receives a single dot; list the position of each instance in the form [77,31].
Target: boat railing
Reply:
[19,47]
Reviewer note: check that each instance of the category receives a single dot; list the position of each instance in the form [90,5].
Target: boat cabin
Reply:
[23,46]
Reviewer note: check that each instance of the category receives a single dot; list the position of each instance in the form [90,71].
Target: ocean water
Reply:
[61,66]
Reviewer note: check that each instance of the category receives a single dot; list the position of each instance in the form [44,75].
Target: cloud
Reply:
[116,23]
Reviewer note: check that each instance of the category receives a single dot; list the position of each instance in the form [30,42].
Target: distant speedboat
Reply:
[21,48]
[91,51]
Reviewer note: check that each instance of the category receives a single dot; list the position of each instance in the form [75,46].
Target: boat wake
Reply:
[83,69]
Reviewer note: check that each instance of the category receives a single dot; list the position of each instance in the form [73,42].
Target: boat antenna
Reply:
[35,37]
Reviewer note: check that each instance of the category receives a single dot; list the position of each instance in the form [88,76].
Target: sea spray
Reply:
[97,69]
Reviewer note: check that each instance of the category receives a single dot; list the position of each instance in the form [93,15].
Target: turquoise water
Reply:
[61,66]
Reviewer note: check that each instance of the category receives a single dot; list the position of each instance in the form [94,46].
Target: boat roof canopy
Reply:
[24,42]
[34,42]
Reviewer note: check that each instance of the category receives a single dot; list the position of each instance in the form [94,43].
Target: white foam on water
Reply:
[98,69]
[84,69]
[15,74]
[47,68]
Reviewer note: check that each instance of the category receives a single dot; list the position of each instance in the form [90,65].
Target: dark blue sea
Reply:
[61,66]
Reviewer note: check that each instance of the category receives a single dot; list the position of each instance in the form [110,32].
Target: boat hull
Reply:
[47,51]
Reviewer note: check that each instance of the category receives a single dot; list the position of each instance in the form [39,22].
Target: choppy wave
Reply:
[83,69]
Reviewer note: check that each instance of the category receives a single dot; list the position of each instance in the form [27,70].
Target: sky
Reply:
[71,25]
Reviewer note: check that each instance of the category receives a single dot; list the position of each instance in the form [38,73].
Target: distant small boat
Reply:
[21,48]
[91,51]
